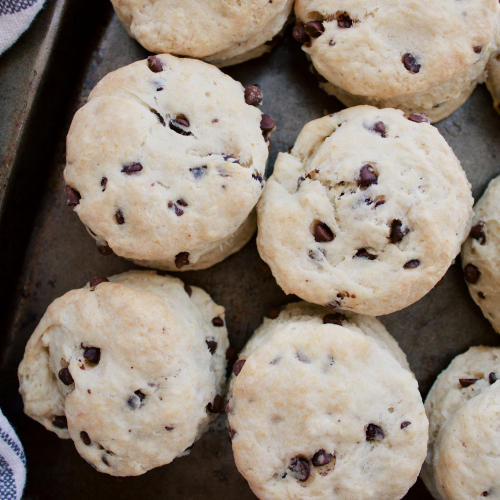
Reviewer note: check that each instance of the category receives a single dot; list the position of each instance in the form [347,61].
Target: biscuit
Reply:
[165,163]
[366,213]
[420,57]
[325,411]
[463,407]
[132,369]
[219,31]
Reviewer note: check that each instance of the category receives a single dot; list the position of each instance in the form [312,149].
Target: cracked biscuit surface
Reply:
[165,163]
[129,369]
[366,213]
[320,407]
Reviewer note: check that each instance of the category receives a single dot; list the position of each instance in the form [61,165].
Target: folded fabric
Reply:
[12,462]
[15,18]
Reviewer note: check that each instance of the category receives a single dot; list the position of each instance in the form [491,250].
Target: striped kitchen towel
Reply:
[15,18]
[12,462]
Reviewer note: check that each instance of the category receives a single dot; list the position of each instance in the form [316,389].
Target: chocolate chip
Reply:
[314,29]
[92,354]
[65,376]
[198,171]
[217,406]
[133,168]
[477,232]
[405,424]
[105,460]
[492,377]
[253,95]
[481,295]
[274,313]
[212,346]
[321,458]
[230,159]
[363,253]
[97,281]
[419,118]
[466,382]
[188,290]
[72,197]
[343,20]
[104,183]
[334,319]
[478,49]
[218,321]
[471,273]
[381,202]
[177,123]
[322,233]
[299,33]
[160,118]
[367,177]
[398,232]
[267,124]
[104,249]
[238,366]
[159,89]
[140,395]
[181,260]
[300,468]
[120,219]
[169,428]
[178,211]
[412,264]
[155,64]
[85,438]
[61,422]
[485,493]
[374,432]
[258,178]
[410,63]
[379,128]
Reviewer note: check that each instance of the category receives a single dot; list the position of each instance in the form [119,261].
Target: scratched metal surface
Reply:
[60,256]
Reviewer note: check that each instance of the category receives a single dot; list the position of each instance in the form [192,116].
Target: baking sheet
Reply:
[60,256]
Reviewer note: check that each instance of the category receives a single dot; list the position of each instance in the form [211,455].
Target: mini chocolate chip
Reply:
[104,183]
[160,118]
[343,20]
[253,95]
[466,382]
[169,428]
[188,289]
[155,64]
[181,260]
[412,264]
[485,494]
[379,128]
[267,124]
[120,219]
[198,171]
[410,63]
[85,438]
[398,232]
[299,33]
[481,295]
[374,432]
[133,168]
[182,203]
[258,178]
[105,460]
[217,406]
[218,321]
[314,29]
[274,313]
[322,233]
[212,346]
[92,354]
[104,249]
[65,376]
[232,433]
[419,118]
[178,211]
[72,197]
[97,281]
[492,377]
[367,177]
[61,422]
[381,202]
[140,395]
[238,366]
[230,159]
[405,424]
[178,122]
[159,89]
[363,253]
[477,232]
[478,49]
[321,458]
[471,273]
[334,319]
[300,468]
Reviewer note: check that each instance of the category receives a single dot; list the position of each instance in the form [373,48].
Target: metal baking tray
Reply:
[45,250]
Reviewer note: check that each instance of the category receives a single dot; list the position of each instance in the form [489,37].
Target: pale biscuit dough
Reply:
[493,80]
[153,338]
[223,32]
[450,41]
[195,192]
[480,254]
[463,452]
[420,185]
[306,387]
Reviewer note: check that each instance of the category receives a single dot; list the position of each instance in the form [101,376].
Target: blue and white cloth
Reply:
[12,462]
[15,18]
